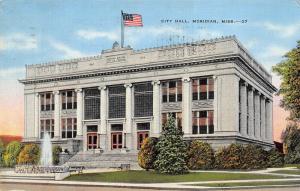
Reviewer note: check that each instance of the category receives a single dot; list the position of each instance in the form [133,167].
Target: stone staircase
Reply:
[103,160]
[12,175]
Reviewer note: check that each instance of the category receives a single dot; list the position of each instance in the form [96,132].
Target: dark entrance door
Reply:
[116,140]
[92,140]
[141,136]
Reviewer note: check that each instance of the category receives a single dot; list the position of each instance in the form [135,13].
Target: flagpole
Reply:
[122,29]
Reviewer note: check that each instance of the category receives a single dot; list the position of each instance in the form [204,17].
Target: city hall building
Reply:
[111,102]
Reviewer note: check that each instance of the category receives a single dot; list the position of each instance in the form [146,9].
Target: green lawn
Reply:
[292,165]
[153,177]
[295,172]
[249,184]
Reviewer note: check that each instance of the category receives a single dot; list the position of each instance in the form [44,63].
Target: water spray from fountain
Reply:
[46,157]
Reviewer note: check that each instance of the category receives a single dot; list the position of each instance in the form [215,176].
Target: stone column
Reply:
[79,112]
[257,114]
[263,117]
[186,106]
[269,120]
[251,112]
[156,109]
[243,108]
[37,115]
[56,114]
[128,126]
[103,117]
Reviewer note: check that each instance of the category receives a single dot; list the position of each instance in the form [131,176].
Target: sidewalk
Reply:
[167,186]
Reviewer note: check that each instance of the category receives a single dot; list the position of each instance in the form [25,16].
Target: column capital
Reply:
[129,85]
[186,79]
[215,77]
[263,96]
[155,82]
[102,88]
[251,88]
[244,83]
[37,94]
[258,93]
[56,92]
[78,90]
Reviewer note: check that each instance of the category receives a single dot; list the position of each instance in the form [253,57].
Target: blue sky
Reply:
[37,31]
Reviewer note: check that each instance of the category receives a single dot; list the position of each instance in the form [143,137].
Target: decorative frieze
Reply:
[171,106]
[68,113]
[203,104]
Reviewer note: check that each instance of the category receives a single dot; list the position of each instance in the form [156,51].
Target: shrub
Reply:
[11,153]
[291,140]
[275,158]
[229,157]
[147,154]
[200,155]
[171,158]
[30,154]
[2,150]
[56,150]
[253,157]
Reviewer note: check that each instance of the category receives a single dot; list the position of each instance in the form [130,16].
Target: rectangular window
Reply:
[68,128]
[92,103]
[116,127]
[176,115]
[203,88]
[203,122]
[68,99]
[143,100]
[46,127]
[143,126]
[172,91]
[47,101]
[117,101]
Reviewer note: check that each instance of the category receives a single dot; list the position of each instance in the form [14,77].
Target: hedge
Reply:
[200,155]
[11,153]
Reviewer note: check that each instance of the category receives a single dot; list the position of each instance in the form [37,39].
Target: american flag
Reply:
[132,20]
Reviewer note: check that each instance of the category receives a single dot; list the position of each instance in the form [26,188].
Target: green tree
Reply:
[200,155]
[30,154]
[289,71]
[11,153]
[147,154]
[291,140]
[2,150]
[171,158]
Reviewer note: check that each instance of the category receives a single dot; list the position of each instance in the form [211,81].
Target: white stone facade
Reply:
[235,107]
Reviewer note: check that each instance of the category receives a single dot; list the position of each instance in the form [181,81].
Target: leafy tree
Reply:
[147,154]
[289,71]
[11,153]
[200,155]
[253,157]
[291,140]
[171,158]
[229,157]
[56,150]
[30,154]
[2,150]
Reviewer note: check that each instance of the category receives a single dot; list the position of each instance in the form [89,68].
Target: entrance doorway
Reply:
[92,140]
[116,140]
[92,137]
[141,136]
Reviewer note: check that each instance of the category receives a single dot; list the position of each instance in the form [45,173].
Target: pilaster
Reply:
[263,117]
[257,114]
[79,112]
[128,125]
[251,125]
[156,109]
[103,110]
[186,106]
[36,115]
[56,114]
[243,108]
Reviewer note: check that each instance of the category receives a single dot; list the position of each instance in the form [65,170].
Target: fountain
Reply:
[46,157]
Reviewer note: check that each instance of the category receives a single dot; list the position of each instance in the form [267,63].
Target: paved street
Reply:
[35,187]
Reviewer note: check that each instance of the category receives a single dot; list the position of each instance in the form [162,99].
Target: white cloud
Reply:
[18,41]
[93,34]
[272,55]
[284,31]
[251,43]
[67,51]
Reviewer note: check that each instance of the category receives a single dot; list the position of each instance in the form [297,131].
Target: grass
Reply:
[153,177]
[294,172]
[233,184]
[292,165]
